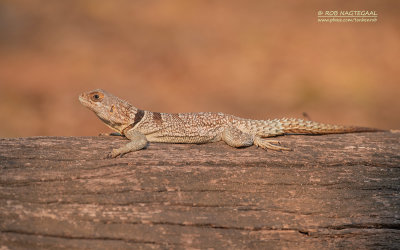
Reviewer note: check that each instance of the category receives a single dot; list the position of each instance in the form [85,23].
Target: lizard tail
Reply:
[299,126]
[266,128]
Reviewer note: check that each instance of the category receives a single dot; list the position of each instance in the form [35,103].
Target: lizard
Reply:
[142,127]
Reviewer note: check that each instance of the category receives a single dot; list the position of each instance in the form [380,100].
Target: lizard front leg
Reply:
[138,141]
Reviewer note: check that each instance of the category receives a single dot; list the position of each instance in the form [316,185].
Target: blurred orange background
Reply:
[254,59]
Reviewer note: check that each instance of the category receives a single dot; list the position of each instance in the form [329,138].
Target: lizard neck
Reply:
[119,117]
[135,117]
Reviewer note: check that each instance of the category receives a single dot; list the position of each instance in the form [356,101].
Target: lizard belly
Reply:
[194,137]
[183,128]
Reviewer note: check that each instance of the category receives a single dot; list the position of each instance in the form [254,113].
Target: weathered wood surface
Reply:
[331,191]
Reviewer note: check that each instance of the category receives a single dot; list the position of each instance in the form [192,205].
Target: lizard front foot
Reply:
[114,154]
[138,141]
[268,144]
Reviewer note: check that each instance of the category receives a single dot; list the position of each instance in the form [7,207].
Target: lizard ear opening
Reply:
[96,96]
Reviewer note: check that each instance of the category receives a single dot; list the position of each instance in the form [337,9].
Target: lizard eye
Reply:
[97,97]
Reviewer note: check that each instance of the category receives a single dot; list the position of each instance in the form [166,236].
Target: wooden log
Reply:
[330,191]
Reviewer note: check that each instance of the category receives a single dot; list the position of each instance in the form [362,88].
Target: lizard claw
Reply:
[274,141]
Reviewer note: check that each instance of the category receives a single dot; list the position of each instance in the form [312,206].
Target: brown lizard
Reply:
[141,126]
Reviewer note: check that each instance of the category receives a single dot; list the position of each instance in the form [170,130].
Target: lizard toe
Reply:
[269,144]
[113,154]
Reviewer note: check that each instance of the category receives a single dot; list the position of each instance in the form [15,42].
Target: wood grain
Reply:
[330,191]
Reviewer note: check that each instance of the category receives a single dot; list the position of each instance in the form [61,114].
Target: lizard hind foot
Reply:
[269,144]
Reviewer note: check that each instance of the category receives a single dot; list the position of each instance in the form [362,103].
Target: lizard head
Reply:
[114,112]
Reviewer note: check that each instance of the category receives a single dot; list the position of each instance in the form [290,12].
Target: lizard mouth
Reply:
[83,100]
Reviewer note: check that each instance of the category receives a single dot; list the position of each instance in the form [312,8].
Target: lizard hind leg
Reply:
[236,138]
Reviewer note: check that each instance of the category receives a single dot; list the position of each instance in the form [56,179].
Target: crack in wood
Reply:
[394,226]
[70,237]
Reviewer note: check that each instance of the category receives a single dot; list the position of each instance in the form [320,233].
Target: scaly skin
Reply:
[142,127]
